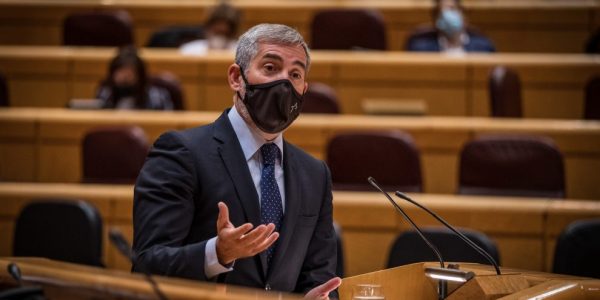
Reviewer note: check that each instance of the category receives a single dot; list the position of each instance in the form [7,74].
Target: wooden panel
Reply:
[366,251]
[28,92]
[522,252]
[6,236]
[529,26]
[446,101]
[59,163]
[17,161]
[582,176]
[435,181]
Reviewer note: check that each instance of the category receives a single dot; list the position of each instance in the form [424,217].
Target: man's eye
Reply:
[296,75]
[269,68]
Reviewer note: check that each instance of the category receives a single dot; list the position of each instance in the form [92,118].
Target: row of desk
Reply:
[44,145]
[552,84]
[515,26]
[525,229]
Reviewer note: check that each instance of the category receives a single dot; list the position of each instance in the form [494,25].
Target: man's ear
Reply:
[305,88]
[234,78]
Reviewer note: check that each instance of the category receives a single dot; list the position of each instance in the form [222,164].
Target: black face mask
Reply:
[123,91]
[273,106]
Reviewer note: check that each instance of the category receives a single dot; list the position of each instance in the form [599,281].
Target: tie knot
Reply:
[269,152]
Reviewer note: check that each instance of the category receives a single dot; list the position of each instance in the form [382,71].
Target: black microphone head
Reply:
[15,272]
[401,195]
[371,180]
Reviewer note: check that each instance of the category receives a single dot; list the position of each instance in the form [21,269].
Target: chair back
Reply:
[4,100]
[172,85]
[60,229]
[175,36]
[391,157]
[320,98]
[505,93]
[409,248]
[577,249]
[505,165]
[98,28]
[592,99]
[114,154]
[348,29]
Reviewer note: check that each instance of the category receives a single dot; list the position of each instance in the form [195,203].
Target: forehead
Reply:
[448,4]
[288,53]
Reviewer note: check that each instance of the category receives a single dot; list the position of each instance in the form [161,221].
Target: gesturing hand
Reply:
[243,241]
[322,292]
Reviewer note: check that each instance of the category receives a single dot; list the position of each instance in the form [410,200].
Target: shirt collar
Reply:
[444,43]
[249,139]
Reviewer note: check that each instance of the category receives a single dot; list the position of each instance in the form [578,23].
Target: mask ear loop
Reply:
[245,82]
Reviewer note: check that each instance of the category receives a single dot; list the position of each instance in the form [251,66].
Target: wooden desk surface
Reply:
[552,84]
[44,145]
[514,26]
[71,281]
[525,229]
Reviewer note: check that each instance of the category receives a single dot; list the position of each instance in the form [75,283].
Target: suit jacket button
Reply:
[267,287]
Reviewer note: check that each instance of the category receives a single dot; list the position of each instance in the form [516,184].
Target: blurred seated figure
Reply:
[127,85]
[450,34]
[219,31]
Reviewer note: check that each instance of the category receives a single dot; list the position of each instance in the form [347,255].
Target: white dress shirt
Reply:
[251,141]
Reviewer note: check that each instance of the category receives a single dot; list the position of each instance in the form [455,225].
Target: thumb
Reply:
[322,291]
[223,218]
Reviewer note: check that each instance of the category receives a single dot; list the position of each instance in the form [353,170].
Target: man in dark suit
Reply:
[450,34]
[232,201]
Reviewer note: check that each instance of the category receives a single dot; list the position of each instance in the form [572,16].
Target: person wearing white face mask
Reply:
[450,34]
[220,31]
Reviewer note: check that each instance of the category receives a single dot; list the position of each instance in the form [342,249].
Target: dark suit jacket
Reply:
[426,40]
[175,210]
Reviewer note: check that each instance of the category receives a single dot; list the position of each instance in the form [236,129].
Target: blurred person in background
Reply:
[451,33]
[127,85]
[220,31]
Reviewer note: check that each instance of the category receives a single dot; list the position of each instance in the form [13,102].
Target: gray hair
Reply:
[271,34]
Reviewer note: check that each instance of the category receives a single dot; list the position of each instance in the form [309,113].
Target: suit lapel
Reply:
[293,197]
[232,157]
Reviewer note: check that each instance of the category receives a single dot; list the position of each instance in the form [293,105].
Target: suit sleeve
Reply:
[321,258]
[163,212]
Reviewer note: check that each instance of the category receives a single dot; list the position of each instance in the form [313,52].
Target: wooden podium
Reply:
[410,282]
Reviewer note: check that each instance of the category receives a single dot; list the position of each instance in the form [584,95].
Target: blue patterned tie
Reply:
[271,209]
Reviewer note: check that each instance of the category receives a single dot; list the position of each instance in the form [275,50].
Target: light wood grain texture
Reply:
[521,227]
[70,281]
[553,84]
[410,282]
[439,140]
[514,26]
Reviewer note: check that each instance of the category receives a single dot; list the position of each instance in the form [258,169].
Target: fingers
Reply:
[223,218]
[266,243]
[322,291]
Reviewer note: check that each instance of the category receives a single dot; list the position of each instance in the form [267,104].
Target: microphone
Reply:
[33,292]
[119,241]
[409,220]
[487,256]
[442,286]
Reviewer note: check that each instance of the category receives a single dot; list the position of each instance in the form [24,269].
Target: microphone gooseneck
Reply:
[460,235]
[119,241]
[409,220]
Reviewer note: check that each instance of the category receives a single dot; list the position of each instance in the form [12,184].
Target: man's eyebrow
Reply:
[278,58]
